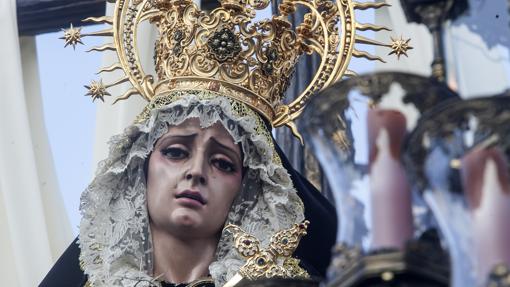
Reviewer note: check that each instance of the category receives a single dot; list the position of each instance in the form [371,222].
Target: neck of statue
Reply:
[181,260]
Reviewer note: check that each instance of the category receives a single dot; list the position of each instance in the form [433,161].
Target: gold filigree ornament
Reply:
[274,261]
[400,46]
[227,50]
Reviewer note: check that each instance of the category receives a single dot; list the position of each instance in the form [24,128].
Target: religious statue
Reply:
[197,192]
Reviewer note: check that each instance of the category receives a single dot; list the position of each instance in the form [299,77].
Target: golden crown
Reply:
[226,51]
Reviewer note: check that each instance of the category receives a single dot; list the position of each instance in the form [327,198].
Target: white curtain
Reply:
[34,229]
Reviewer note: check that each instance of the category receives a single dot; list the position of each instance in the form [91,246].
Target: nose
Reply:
[197,170]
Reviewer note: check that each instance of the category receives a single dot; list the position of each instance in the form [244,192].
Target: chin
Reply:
[186,219]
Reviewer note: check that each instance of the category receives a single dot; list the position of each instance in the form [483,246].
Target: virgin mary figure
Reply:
[200,156]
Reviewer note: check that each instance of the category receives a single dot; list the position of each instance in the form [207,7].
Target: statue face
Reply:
[194,174]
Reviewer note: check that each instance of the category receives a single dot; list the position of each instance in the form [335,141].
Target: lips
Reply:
[190,194]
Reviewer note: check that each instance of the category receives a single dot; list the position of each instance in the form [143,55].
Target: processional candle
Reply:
[487,188]
[390,195]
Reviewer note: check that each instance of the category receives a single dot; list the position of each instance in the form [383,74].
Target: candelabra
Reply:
[421,181]
[356,129]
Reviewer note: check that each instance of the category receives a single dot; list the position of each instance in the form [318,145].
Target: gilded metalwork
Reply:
[224,45]
[72,36]
[275,260]
[400,47]
[228,50]
[97,90]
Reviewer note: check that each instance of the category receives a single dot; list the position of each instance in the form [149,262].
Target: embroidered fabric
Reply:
[115,238]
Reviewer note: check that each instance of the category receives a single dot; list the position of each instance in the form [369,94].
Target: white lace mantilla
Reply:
[115,240]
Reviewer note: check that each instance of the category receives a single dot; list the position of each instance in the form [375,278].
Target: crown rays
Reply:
[398,46]
[98,90]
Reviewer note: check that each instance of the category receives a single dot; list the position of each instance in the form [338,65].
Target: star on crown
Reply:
[72,36]
[97,90]
[400,46]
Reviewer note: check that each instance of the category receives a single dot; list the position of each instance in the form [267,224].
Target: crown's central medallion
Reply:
[224,45]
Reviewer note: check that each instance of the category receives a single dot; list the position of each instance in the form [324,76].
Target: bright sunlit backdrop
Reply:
[70,116]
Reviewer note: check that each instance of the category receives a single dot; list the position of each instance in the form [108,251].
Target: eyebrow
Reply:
[225,147]
[167,137]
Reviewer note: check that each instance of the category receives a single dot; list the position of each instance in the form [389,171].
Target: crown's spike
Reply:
[106,47]
[99,20]
[369,5]
[72,36]
[97,90]
[400,46]
[118,82]
[350,73]
[104,33]
[295,132]
[370,27]
[116,66]
[366,55]
[126,95]
[364,40]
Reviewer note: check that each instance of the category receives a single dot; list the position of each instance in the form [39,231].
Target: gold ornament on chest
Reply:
[273,261]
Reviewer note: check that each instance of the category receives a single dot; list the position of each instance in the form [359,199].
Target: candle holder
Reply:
[457,155]
[423,263]
[355,130]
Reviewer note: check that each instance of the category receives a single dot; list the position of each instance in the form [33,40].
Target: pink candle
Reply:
[392,219]
[487,188]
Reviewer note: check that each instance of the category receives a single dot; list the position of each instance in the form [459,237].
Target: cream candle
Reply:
[390,196]
[487,188]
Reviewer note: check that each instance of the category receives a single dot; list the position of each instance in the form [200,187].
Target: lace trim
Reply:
[114,235]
